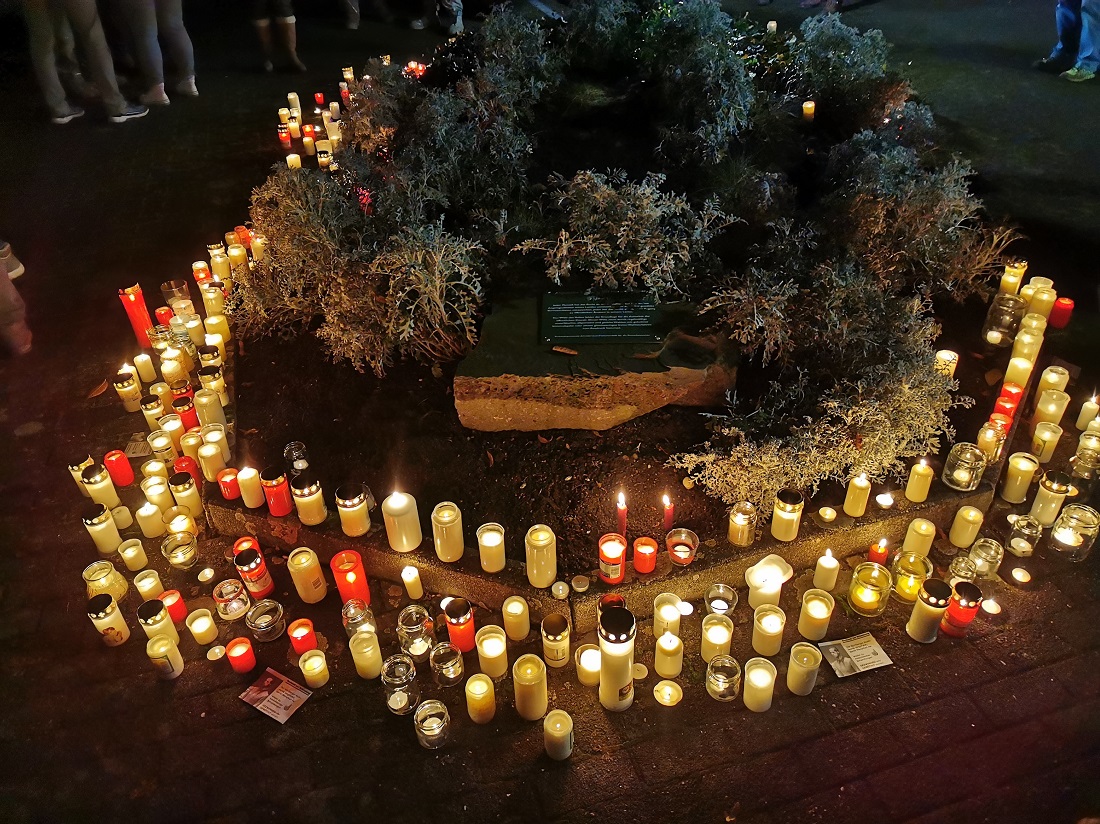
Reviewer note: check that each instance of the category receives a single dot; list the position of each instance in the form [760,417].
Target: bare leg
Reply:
[288,28]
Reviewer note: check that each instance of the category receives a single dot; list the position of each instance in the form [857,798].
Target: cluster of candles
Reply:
[319,138]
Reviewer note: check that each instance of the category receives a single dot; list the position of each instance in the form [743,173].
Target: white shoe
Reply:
[155,97]
[187,86]
[419,24]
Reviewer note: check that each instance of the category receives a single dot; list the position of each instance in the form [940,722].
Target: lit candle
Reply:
[1045,441]
[668,693]
[402,522]
[102,529]
[855,500]
[481,701]
[645,555]
[490,545]
[174,603]
[617,628]
[767,629]
[717,635]
[946,361]
[587,661]
[742,524]
[201,625]
[351,578]
[1051,407]
[826,572]
[303,637]
[314,668]
[216,339]
[666,614]
[252,491]
[809,109]
[919,536]
[557,735]
[1089,410]
[148,584]
[766,580]
[787,514]
[928,609]
[492,650]
[529,678]
[541,552]
[1019,370]
[155,620]
[218,325]
[817,611]
[612,558]
[77,469]
[621,513]
[920,481]
[308,146]
[309,499]
[410,577]
[759,684]
[965,527]
[107,619]
[517,618]
[802,668]
[885,500]
[366,654]
[668,656]
[211,461]
[1013,275]
[773,27]
[133,555]
[447,531]
[827,514]
[1042,301]
[307,575]
[165,655]
[101,489]
[879,553]
[149,519]
[1052,492]
[670,512]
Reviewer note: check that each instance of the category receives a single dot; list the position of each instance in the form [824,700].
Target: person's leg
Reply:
[351,12]
[176,39]
[88,30]
[44,56]
[1067,19]
[284,16]
[141,22]
[13,318]
[1088,50]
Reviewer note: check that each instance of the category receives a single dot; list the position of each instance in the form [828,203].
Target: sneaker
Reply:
[456,26]
[1051,65]
[187,86]
[155,97]
[131,112]
[419,24]
[73,113]
[1078,74]
[10,262]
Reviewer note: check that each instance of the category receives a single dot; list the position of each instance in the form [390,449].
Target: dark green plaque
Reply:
[577,317]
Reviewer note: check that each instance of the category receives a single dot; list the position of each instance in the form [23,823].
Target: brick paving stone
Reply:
[1078,628]
[924,729]
[853,802]
[1022,696]
[844,755]
[1079,674]
[1017,648]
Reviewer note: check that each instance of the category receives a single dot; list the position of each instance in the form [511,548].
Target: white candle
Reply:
[214,431]
[76,470]
[172,426]
[101,489]
[716,638]
[410,577]
[920,481]
[148,585]
[784,526]
[219,325]
[308,147]
[773,26]
[481,700]
[490,544]
[201,625]
[1042,301]
[102,529]
[1089,410]
[587,660]
[1027,344]
[767,629]
[541,546]
[965,527]
[156,490]
[759,684]
[1051,407]
[529,678]
[366,654]
[517,618]
[919,537]
[946,361]
[215,339]
[447,532]
[108,620]
[1018,372]
[144,366]
[668,656]
[402,522]
[924,621]
[161,624]
[165,655]
[817,611]
[1045,441]
[252,491]
[171,370]
[855,500]
[309,501]
[154,467]
[292,101]
[314,668]
[802,668]
[1048,502]
[293,161]
[765,585]
[187,495]
[133,555]
[1021,469]
[492,651]
[666,614]
[122,517]
[307,575]
[557,734]
[826,572]
[211,461]
[617,673]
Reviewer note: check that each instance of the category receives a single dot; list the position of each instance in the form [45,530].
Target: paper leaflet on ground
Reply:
[856,654]
[276,695]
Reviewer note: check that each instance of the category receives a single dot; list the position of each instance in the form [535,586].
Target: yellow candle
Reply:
[855,500]
[402,522]
[529,678]
[202,627]
[717,634]
[517,618]
[481,702]
[759,684]
[946,361]
[410,577]
[587,659]
[920,482]
[1019,370]
[964,529]
[826,572]
[492,651]
[767,629]
[809,109]
[817,611]
[314,668]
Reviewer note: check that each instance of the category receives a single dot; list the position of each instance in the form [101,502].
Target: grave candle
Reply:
[541,547]
[742,525]
[612,556]
[1061,312]
[227,484]
[946,361]
[557,735]
[1089,410]
[165,656]
[759,684]
[616,630]
[787,514]
[1019,370]
[928,609]
[1027,344]
[148,584]
[666,614]
[716,637]
[802,668]
[252,493]
[1052,492]
[351,504]
[174,603]
[305,572]
[253,570]
[1019,473]
[668,656]
[133,301]
[402,522]
[101,489]
[555,640]
[1045,441]
[1051,407]
[481,702]
[154,619]
[447,531]
[490,546]
[209,409]
[200,624]
[962,609]
[920,482]
[459,615]
[185,493]
[118,467]
[143,365]
[309,499]
[211,461]
[1042,301]
[351,579]
[645,555]
[366,653]
[303,637]
[314,668]
[909,571]
[152,409]
[529,678]
[214,433]
[410,577]
[276,490]
[133,555]
[129,391]
[879,553]
[767,630]
[517,618]
[826,571]
[964,529]
[102,529]
[190,443]
[77,470]
[855,499]
[817,611]
[293,161]
[308,146]
[107,619]
[621,513]
[492,651]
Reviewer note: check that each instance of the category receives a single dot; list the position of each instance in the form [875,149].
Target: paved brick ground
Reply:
[1002,727]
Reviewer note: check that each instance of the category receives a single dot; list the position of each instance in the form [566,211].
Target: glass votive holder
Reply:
[356,616]
[401,691]
[962,569]
[720,599]
[414,632]
[962,471]
[742,524]
[1025,536]
[180,549]
[1074,532]
[910,570]
[870,589]
[160,442]
[1002,321]
[446,663]
[102,577]
[432,722]
[175,290]
[266,620]
[682,544]
[148,584]
[177,520]
[986,555]
[723,678]
[231,600]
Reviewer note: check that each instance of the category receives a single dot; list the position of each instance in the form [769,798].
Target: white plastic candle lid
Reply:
[560,590]
[640,672]
[215,653]
[580,583]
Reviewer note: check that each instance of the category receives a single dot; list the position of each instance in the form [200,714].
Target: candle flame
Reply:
[923,462]
[350,577]
[622,500]
[665,500]
[882,543]
[828,553]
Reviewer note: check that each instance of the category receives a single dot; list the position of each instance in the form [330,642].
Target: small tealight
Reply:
[685,608]
[215,653]
[640,672]
[991,606]
[827,514]
[560,590]
[206,576]
[668,693]
[1022,575]
[884,500]
[580,583]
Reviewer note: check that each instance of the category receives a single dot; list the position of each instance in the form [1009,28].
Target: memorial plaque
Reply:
[577,317]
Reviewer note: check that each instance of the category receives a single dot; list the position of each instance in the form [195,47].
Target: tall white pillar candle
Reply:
[144,365]
[855,499]
[965,527]
[366,654]
[402,522]
[802,668]
[252,491]
[410,577]
[1018,372]
[557,734]
[920,482]
[919,536]
[817,611]
[826,572]
[1089,410]
[490,544]
[668,656]
[529,679]
[616,630]
[1019,473]
[759,684]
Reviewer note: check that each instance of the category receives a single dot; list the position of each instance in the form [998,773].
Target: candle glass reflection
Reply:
[723,678]
[870,589]
[1074,532]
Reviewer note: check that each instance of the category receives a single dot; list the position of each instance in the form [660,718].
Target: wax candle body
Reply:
[965,527]
[759,684]
[410,577]
[587,659]
[402,522]
[492,651]
[529,678]
[100,487]
[211,461]
[1051,407]
[517,618]
[201,625]
[490,543]
[666,614]
[447,532]
[314,668]
[541,547]
[108,620]
[366,653]
[102,529]
[802,668]
[825,574]
[557,734]
[855,499]
[1089,410]
[1048,501]
[252,491]
[307,575]
[668,656]
[310,505]
[946,361]
[148,584]
[817,611]
[785,525]
[1045,441]
[920,482]
[133,555]
[919,536]
[924,622]
[481,702]
[165,656]
[716,637]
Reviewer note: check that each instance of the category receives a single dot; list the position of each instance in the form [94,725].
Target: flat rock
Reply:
[512,381]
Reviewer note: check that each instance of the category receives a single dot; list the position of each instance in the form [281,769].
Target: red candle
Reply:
[308,130]
[227,483]
[185,463]
[181,389]
[252,568]
[1005,406]
[351,578]
[133,301]
[670,513]
[1012,391]
[879,553]
[247,542]
[201,270]
[164,315]
[118,467]
[612,558]
[241,656]
[276,491]
[244,234]
[303,638]
[645,555]
[284,135]
[962,609]
[1060,313]
[319,98]
[1001,420]
[460,623]
[185,408]
[621,511]
[173,601]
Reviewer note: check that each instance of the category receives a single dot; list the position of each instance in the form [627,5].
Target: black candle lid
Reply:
[457,610]
[617,625]
[100,606]
[935,593]
[968,594]
[148,612]
[555,626]
[93,513]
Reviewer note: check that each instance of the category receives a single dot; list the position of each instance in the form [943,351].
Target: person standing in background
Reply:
[148,19]
[283,12]
[1076,55]
[13,312]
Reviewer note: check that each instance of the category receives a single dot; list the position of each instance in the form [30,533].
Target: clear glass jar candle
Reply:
[356,616]
[432,723]
[1085,471]
[962,471]
[986,555]
[231,600]
[354,511]
[787,514]
[542,556]
[666,614]
[180,549]
[101,577]
[962,569]
[107,619]
[266,621]
[490,545]
[720,599]
[682,544]
[991,440]
[910,570]
[1074,532]
[723,678]
[414,632]
[309,499]
[446,664]
[399,686]
[447,531]
[742,524]
[1002,321]
[870,589]
[1024,537]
